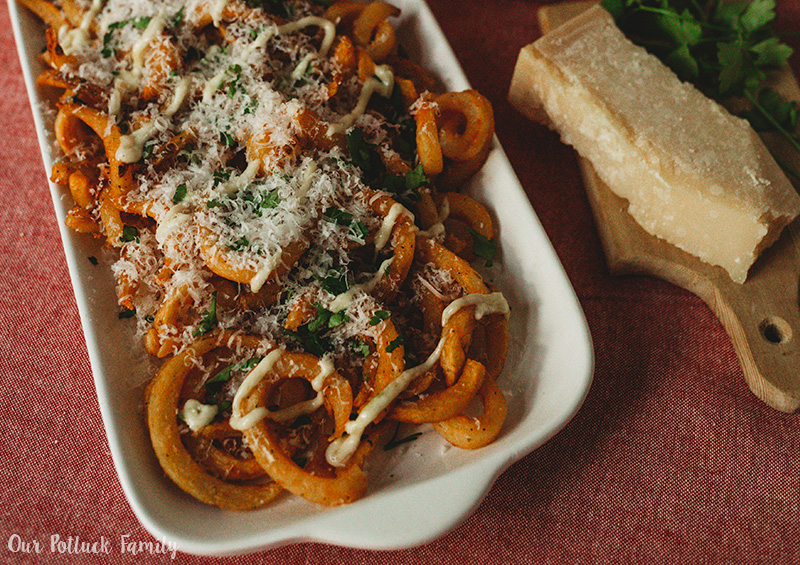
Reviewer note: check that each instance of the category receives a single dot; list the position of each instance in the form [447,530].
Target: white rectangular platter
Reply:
[419,491]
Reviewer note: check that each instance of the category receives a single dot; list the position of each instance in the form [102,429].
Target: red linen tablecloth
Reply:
[671,458]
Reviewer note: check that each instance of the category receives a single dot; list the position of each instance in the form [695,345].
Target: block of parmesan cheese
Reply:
[692,173]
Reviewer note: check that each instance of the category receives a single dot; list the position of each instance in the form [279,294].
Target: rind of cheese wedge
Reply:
[692,173]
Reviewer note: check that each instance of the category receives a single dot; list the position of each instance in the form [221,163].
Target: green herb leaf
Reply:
[483,247]
[129,233]
[335,282]
[177,19]
[208,319]
[226,139]
[337,319]
[357,230]
[361,347]
[240,244]
[395,343]
[271,199]
[365,156]
[214,384]
[771,53]
[179,194]
[732,59]
[125,314]
[757,15]
[378,317]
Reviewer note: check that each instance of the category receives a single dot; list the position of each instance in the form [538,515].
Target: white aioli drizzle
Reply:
[265,271]
[240,181]
[131,146]
[178,96]
[71,40]
[493,303]
[301,67]
[382,83]
[197,415]
[172,220]
[290,413]
[385,231]
[241,421]
[327,26]
[438,227]
[308,178]
[344,300]
[342,448]
[216,11]
[153,30]
[213,85]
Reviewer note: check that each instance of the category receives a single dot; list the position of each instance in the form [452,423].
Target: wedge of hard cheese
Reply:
[692,173]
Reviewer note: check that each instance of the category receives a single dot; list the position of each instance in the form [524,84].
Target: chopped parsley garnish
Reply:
[311,335]
[215,383]
[395,343]
[356,228]
[361,347]
[483,247]
[226,139]
[129,233]
[222,176]
[177,19]
[365,156]
[92,259]
[378,317]
[179,194]
[208,320]
[270,200]
[405,188]
[125,314]
[109,39]
[335,282]
[147,148]
[240,244]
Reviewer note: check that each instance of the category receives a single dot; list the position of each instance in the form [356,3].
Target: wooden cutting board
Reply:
[761,316]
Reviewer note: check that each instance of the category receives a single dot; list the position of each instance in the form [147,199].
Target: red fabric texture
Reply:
[670,460]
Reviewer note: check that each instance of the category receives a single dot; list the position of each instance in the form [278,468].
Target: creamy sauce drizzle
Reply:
[342,448]
[291,413]
[385,231]
[239,421]
[265,271]
[197,415]
[178,96]
[437,228]
[217,10]
[493,303]
[344,300]
[382,83]
[172,220]
[71,40]
[131,147]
